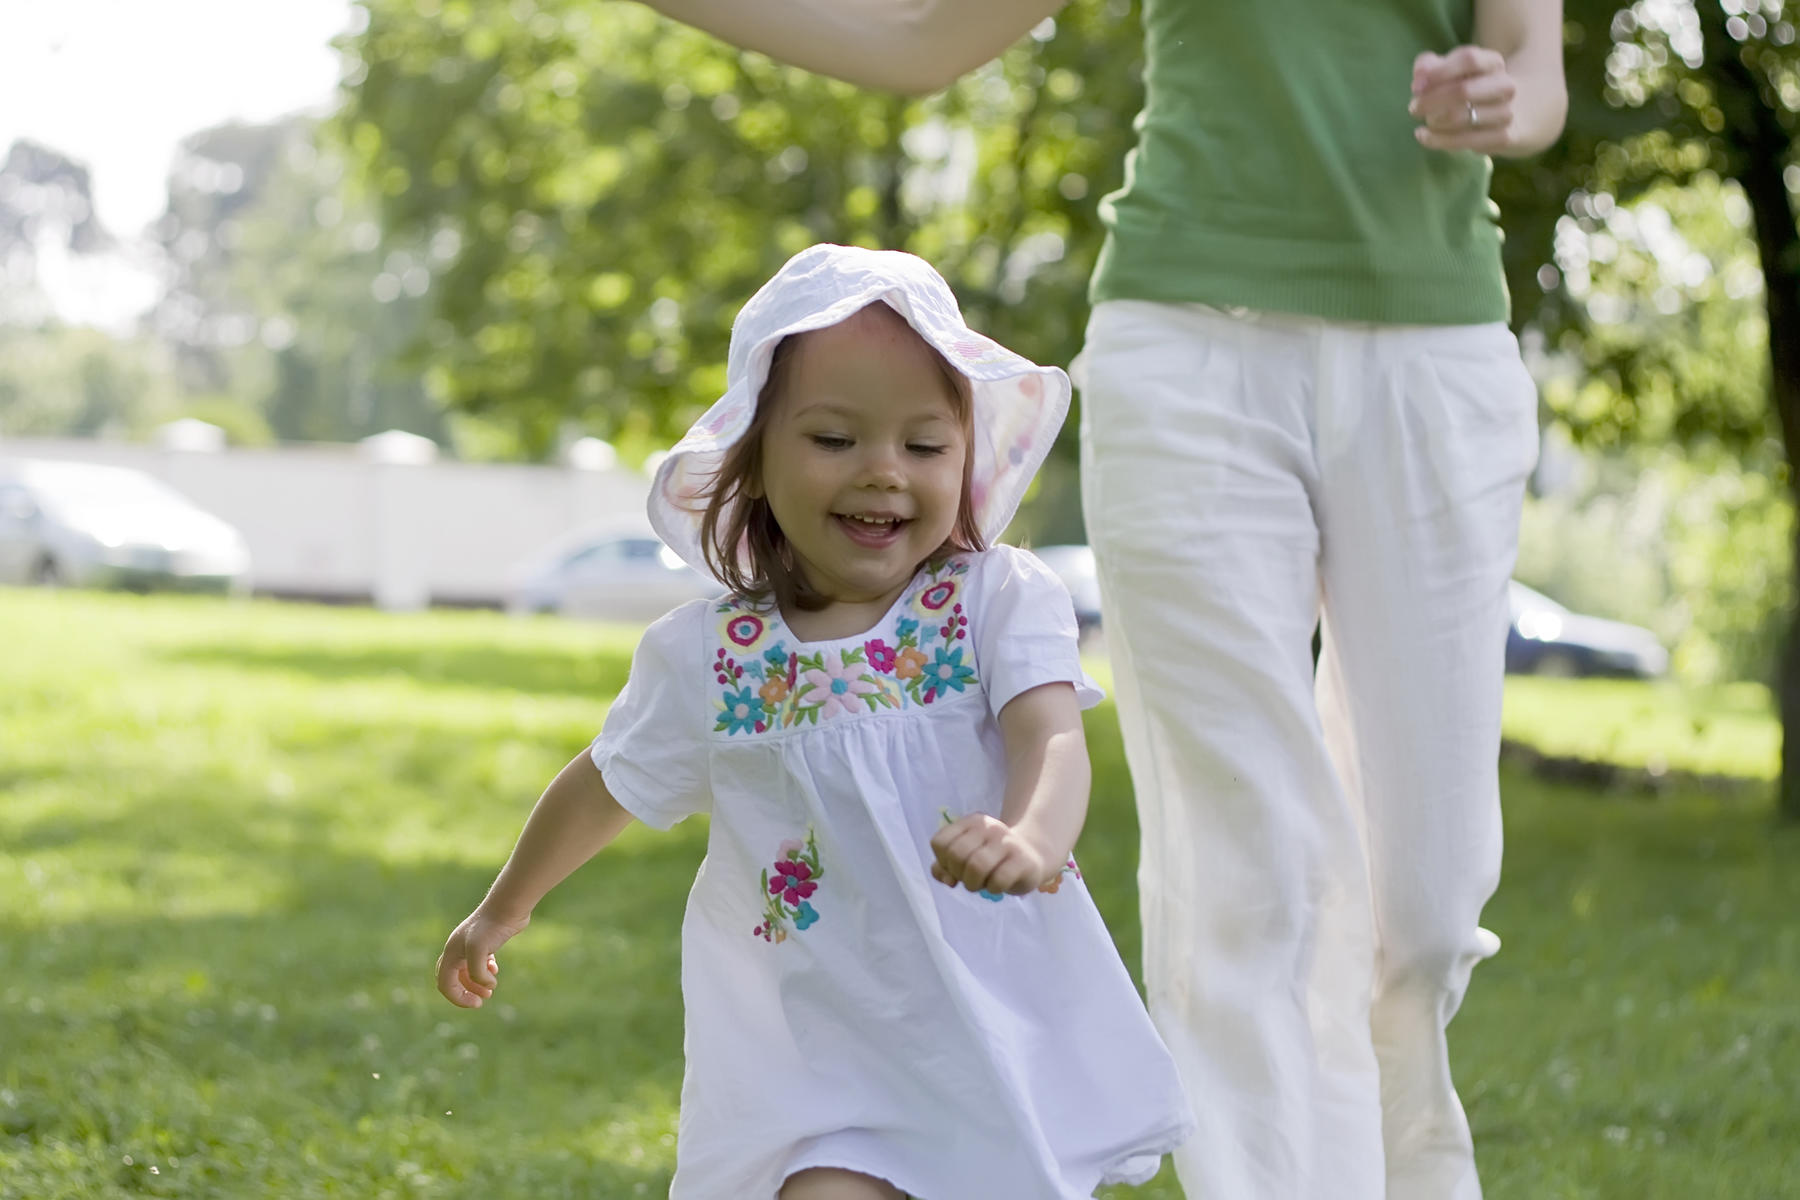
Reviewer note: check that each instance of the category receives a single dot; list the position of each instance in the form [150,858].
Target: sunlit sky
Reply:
[116,84]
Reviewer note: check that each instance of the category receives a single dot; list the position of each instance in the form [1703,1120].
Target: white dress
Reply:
[843,1008]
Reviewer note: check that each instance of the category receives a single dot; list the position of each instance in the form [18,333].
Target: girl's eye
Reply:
[830,441]
[924,451]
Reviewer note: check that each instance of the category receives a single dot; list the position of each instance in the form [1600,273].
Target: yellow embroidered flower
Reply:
[743,632]
[932,602]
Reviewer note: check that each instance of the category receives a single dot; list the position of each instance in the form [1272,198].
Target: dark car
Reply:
[1547,639]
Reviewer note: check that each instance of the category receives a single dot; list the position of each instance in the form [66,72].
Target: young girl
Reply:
[895,980]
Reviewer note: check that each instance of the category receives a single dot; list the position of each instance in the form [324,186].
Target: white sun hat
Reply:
[1019,406]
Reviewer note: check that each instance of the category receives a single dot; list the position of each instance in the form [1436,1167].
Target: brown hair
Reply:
[735,518]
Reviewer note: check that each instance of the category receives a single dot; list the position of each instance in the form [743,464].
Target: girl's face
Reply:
[862,459]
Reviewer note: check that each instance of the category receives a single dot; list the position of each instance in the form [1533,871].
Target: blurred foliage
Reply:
[1655,253]
[46,204]
[1692,545]
[282,292]
[617,185]
[57,380]
[1684,522]
[1653,245]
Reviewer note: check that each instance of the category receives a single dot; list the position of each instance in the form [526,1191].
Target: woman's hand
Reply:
[985,854]
[1505,94]
[467,971]
[1463,100]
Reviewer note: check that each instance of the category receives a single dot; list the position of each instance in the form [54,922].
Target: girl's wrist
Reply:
[1052,848]
[500,912]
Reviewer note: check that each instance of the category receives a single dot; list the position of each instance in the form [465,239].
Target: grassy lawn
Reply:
[232,838]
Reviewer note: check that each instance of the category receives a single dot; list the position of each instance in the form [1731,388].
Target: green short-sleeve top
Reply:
[1276,168]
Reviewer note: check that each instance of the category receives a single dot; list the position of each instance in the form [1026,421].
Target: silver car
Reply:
[608,575]
[87,525]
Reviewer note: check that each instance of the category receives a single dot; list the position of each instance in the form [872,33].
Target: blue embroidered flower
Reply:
[776,656]
[743,712]
[907,627]
[948,673]
[987,895]
[805,915]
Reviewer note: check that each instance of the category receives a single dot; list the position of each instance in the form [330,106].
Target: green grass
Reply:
[233,836]
[1728,730]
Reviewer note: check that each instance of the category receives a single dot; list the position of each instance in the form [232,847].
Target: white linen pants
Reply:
[1316,853]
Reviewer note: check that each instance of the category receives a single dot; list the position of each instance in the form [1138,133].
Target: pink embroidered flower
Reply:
[838,686]
[744,630]
[881,655]
[937,595]
[791,848]
[792,881]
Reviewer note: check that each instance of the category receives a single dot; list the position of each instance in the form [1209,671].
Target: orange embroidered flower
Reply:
[909,662]
[1054,883]
[774,691]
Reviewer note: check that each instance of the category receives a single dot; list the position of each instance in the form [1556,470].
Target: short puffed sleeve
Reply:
[652,750]
[1025,632]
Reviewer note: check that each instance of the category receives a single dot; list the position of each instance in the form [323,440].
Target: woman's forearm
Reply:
[573,820]
[1528,33]
[910,46]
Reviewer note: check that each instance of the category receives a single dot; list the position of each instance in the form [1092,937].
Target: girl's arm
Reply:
[1513,75]
[572,821]
[910,46]
[1047,782]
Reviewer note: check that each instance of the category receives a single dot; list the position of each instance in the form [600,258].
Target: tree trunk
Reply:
[1760,145]
[1778,246]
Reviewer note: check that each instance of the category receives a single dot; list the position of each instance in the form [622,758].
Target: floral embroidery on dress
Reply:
[920,659]
[787,889]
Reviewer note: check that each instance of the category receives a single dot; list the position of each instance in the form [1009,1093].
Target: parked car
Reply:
[87,525]
[1547,639]
[1074,565]
[608,575]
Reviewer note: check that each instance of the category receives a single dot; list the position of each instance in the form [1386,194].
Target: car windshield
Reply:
[1524,598]
[75,491]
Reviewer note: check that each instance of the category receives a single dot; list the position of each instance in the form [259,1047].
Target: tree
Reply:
[617,186]
[282,296]
[46,202]
[1694,91]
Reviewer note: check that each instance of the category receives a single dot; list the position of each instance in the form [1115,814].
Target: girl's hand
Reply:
[1464,101]
[984,853]
[467,971]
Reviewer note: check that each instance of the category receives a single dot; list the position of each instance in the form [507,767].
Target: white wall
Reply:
[360,521]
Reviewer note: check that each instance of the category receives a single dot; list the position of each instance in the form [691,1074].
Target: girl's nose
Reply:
[881,468]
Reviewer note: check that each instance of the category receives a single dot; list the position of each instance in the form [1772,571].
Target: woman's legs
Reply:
[1419,515]
[1228,465]
[1198,477]
[831,1183]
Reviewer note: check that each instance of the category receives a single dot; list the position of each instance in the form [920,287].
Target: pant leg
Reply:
[1197,464]
[1427,436]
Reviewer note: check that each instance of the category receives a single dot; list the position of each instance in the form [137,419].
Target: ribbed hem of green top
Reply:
[1338,283]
